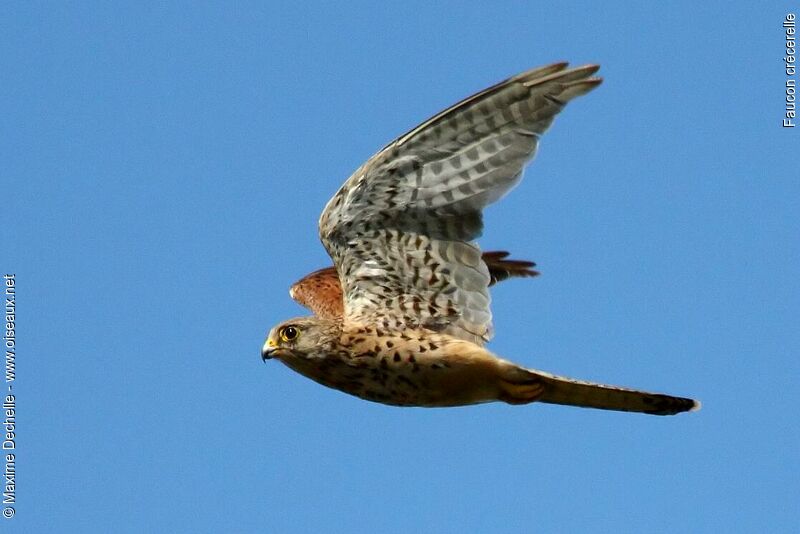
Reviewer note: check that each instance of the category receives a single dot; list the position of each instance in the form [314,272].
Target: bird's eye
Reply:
[289,333]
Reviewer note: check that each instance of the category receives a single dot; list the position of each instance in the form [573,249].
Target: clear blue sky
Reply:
[164,166]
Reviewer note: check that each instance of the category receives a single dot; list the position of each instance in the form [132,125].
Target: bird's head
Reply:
[299,338]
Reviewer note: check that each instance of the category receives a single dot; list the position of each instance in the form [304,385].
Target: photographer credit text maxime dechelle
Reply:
[9,401]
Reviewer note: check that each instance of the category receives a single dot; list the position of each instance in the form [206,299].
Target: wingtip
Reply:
[696,407]
[574,77]
[541,72]
[589,68]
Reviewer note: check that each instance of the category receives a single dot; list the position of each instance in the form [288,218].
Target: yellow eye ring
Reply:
[289,333]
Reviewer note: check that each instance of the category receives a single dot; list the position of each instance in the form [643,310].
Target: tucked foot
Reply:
[521,392]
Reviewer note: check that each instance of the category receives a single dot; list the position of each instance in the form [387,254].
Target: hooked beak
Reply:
[268,350]
[266,354]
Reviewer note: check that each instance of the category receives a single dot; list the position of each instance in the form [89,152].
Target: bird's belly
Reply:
[428,379]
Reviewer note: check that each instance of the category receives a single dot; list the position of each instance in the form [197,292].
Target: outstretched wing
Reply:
[400,229]
[321,291]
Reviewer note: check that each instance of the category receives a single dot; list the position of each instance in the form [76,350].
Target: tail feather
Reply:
[561,390]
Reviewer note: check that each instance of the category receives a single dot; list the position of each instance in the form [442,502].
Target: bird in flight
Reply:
[403,315]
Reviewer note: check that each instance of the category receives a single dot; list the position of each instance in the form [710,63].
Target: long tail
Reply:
[561,390]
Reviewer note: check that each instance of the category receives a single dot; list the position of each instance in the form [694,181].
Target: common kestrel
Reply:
[412,313]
